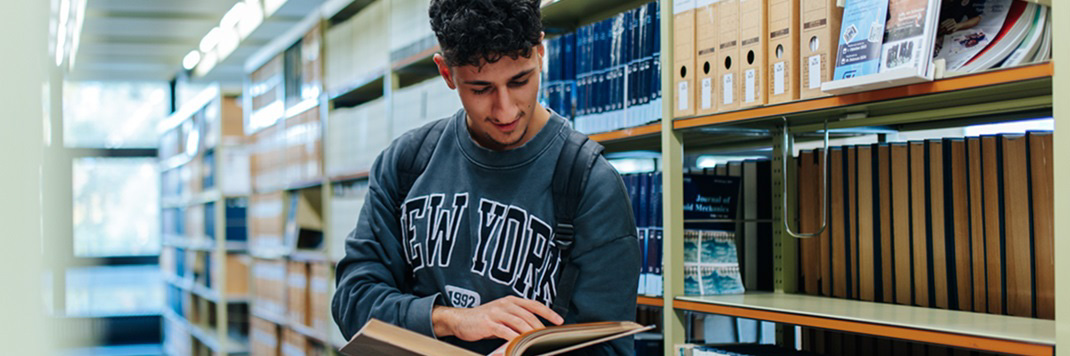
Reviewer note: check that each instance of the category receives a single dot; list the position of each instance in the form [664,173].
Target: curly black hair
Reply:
[476,32]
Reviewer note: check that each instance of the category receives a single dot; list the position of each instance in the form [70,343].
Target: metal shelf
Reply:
[997,333]
[999,91]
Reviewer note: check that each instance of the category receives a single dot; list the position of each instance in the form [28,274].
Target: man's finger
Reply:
[541,310]
[504,332]
[527,316]
[514,322]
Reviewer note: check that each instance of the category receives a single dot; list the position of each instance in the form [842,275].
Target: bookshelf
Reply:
[202,201]
[993,96]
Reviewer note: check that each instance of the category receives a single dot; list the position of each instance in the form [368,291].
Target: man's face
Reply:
[499,98]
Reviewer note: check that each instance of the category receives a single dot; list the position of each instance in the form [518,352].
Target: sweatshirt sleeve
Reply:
[608,258]
[373,276]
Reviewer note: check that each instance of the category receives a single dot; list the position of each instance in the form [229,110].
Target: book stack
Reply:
[955,223]
[421,103]
[347,199]
[616,71]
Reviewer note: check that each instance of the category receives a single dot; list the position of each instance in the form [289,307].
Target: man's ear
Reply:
[444,70]
[540,47]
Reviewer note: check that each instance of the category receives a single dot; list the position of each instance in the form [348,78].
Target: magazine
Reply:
[861,35]
[966,27]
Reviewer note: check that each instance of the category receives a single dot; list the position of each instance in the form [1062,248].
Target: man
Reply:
[468,254]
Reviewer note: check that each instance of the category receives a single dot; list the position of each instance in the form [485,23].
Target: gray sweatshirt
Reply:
[477,226]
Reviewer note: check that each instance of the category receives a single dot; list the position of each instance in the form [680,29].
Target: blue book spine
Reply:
[861,36]
[644,201]
[209,221]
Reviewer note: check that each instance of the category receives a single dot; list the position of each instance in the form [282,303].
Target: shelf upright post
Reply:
[1061,155]
[785,255]
[672,153]
[219,250]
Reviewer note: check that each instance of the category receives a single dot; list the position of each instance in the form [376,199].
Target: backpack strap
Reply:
[578,155]
[415,153]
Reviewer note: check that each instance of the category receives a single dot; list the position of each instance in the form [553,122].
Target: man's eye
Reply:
[518,84]
[481,91]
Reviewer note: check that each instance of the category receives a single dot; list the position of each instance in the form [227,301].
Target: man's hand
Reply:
[505,318]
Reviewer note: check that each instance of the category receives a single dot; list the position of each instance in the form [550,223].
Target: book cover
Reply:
[937,234]
[966,27]
[869,256]
[958,223]
[1032,43]
[861,35]
[909,35]
[851,206]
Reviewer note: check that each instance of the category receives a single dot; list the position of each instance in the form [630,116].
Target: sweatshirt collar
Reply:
[507,159]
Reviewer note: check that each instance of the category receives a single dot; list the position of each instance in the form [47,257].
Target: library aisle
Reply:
[806,177]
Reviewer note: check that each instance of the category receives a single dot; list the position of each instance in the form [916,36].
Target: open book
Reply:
[379,338]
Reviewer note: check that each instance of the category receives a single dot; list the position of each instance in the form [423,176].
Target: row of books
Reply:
[729,207]
[354,48]
[956,223]
[288,152]
[347,199]
[606,75]
[292,292]
[645,192]
[356,135]
[282,222]
[887,43]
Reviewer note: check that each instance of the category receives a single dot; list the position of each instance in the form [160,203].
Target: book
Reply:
[1029,46]
[837,188]
[883,206]
[1011,34]
[809,205]
[956,201]
[966,28]
[851,206]
[869,256]
[936,234]
[977,225]
[825,240]
[1044,53]
[1017,230]
[380,338]
[861,35]
[919,237]
[1041,177]
[899,166]
[991,182]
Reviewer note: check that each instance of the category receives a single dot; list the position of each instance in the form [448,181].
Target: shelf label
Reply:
[778,78]
[726,89]
[707,93]
[681,96]
[748,84]
[814,63]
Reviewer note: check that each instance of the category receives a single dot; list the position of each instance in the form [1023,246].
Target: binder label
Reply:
[726,89]
[707,95]
[778,78]
[748,84]
[814,63]
[681,96]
